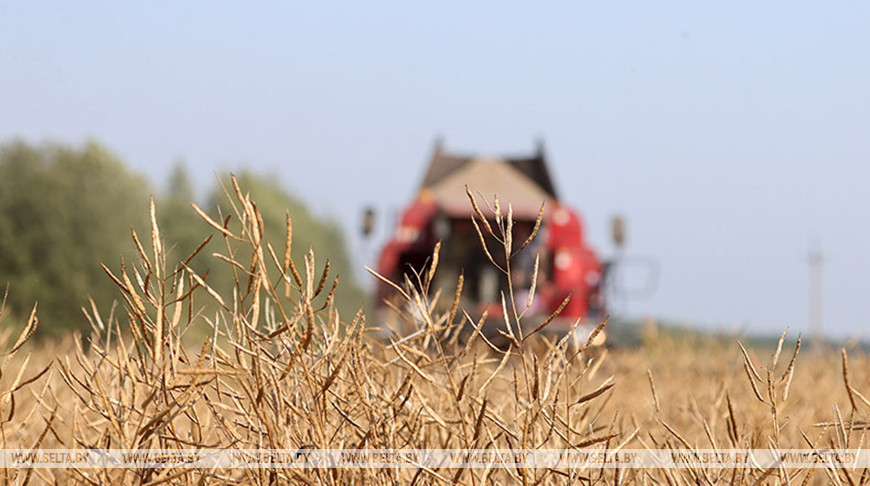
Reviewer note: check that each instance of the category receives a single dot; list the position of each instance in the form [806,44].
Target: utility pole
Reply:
[816,260]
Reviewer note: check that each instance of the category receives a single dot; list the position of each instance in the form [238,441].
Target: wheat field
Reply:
[274,365]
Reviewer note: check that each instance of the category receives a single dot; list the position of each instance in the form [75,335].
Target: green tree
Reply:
[63,210]
[180,226]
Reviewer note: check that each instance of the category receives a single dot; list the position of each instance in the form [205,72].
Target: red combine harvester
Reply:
[443,212]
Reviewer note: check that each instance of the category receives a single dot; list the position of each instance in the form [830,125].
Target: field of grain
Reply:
[281,369]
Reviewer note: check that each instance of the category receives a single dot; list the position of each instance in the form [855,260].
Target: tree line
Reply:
[65,209]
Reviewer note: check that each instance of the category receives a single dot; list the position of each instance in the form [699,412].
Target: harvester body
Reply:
[567,266]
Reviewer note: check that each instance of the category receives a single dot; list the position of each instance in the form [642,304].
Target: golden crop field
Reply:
[279,368]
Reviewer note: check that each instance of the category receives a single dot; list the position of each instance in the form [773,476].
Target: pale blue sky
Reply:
[730,135]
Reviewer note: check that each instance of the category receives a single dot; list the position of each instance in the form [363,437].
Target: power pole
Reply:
[816,260]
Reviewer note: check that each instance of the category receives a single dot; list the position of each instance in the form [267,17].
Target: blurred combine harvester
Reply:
[442,211]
